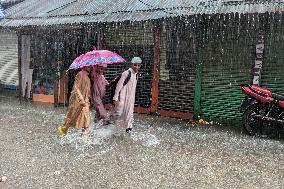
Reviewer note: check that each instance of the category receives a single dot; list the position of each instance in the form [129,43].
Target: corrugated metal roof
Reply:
[50,12]
[1,12]
[249,6]
[8,3]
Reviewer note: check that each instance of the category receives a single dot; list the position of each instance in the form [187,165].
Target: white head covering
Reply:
[136,60]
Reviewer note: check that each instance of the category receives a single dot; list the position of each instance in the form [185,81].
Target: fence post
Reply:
[20,65]
[156,68]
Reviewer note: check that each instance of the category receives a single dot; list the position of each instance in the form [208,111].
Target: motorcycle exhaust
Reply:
[265,118]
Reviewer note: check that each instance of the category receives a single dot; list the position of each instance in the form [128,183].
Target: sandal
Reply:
[62,131]
[3,178]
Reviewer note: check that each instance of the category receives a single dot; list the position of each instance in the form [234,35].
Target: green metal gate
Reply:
[227,57]
[225,66]
[272,75]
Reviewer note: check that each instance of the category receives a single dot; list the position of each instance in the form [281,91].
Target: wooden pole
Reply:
[63,88]
[20,64]
[156,68]
[101,44]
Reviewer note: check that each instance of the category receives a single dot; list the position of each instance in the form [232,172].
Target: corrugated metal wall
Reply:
[177,67]
[53,51]
[227,58]
[131,40]
[43,60]
[222,45]
[9,60]
[272,75]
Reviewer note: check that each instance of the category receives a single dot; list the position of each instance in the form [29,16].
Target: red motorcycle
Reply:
[263,112]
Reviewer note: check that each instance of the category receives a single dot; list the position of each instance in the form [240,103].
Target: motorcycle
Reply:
[263,112]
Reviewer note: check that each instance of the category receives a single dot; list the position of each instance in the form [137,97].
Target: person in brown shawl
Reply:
[78,114]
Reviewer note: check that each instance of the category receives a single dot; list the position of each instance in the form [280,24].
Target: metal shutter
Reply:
[177,68]
[226,65]
[130,40]
[9,59]
[272,75]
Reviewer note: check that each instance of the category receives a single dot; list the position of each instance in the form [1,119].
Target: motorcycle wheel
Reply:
[252,125]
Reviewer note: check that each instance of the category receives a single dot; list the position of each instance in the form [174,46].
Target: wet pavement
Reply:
[160,153]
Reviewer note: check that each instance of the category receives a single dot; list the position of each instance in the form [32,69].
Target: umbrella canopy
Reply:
[96,57]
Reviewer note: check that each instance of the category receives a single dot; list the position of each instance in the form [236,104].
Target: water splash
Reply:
[98,135]
[101,137]
[147,139]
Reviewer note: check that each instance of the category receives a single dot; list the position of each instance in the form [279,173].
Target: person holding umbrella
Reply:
[78,113]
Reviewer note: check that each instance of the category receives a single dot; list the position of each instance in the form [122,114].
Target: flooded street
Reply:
[160,153]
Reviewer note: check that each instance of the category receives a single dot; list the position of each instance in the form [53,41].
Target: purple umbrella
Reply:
[96,57]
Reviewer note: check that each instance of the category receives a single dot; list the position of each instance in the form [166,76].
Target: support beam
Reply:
[20,65]
[156,69]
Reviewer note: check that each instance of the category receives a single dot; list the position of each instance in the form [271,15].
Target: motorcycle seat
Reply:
[277,96]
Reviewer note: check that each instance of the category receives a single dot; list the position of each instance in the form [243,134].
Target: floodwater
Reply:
[160,153]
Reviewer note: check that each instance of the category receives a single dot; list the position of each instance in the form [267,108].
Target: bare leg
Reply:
[85,132]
